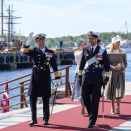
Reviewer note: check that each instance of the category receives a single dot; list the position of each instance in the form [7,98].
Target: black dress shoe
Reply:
[45,123]
[90,125]
[33,122]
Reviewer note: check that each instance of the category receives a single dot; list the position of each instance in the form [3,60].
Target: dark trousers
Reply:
[91,106]
[46,112]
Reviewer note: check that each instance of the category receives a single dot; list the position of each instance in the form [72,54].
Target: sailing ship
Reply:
[11,43]
[125,44]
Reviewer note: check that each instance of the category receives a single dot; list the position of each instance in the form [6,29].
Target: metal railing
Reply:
[24,83]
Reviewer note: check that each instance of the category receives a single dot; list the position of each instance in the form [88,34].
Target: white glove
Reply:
[30,38]
[57,82]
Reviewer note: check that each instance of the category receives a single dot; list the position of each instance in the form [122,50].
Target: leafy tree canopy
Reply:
[53,42]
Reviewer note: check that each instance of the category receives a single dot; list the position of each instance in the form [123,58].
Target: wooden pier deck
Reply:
[66,116]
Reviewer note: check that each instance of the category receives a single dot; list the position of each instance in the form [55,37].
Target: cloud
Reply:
[30,5]
[67,17]
[80,5]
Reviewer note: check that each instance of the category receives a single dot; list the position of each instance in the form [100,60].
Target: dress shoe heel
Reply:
[90,125]
[117,111]
[113,111]
[33,122]
[45,123]
[82,112]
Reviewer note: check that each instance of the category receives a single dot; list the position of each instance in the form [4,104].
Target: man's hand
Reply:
[57,82]
[30,38]
[80,80]
[105,81]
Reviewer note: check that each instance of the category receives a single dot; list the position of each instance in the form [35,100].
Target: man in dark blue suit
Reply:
[90,75]
[40,83]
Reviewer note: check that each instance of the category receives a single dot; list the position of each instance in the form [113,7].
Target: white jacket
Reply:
[77,55]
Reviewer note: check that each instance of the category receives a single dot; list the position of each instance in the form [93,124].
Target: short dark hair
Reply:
[98,41]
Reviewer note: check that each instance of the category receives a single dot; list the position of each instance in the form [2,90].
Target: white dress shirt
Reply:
[43,50]
[77,55]
[94,48]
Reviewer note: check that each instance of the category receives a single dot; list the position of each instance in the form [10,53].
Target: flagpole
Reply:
[5,96]
[6,78]
[54,99]
[103,101]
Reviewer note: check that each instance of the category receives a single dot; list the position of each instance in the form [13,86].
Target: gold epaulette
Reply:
[108,74]
[56,73]
[26,50]
[80,73]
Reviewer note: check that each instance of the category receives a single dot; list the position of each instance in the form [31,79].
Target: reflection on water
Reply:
[14,74]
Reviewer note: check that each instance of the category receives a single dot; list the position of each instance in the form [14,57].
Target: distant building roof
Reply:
[66,42]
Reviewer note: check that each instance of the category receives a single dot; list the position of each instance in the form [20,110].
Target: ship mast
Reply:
[9,20]
[1,18]
[9,27]
[127,30]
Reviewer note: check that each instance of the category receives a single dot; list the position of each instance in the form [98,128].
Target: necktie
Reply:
[92,51]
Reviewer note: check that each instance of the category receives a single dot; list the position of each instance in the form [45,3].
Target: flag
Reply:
[101,43]
[3,103]
[5,96]
[72,85]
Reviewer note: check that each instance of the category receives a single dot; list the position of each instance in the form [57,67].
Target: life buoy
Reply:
[25,58]
[55,56]
[30,59]
[73,56]
[7,59]
[11,58]
[70,56]
[17,58]
[1,59]
[60,56]
[21,58]
[65,57]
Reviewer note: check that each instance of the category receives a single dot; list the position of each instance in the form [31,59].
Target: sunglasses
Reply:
[82,44]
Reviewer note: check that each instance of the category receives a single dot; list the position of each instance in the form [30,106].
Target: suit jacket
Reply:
[93,73]
[40,84]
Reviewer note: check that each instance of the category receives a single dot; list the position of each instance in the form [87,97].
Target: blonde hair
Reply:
[112,49]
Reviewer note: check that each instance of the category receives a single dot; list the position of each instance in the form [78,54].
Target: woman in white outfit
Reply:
[76,93]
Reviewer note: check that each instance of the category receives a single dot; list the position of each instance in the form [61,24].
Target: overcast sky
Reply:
[58,18]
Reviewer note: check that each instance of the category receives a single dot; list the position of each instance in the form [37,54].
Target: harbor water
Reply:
[20,72]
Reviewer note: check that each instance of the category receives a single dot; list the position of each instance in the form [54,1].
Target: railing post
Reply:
[70,89]
[25,102]
[67,82]
[22,96]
